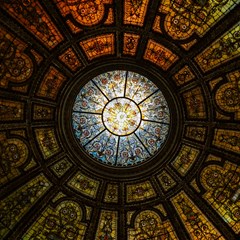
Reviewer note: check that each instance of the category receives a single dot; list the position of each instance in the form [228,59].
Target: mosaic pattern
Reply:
[61,167]
[32,16]
[11,110]
[195,104]
[134,12]
[47,142]
[130,43]
[111,194]
[190,188]
[15,206]
[85,185]
[148,225]
[107,225]
[183,76]
[185,159]
[13,155]
[140,192]
[121,118]
[221,51]
[227,96]
[98,46]
[86,13]
[227,139]
[51,84]
[184,18]
[196,133]
[62,222]
[198,226]
[159,55]
[41,112]
[166,181]
[222,185]
[70,59]
[16,66]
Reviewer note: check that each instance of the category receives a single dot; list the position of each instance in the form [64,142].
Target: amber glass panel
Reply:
[222,50]
[195,104]
[71,60]
[130,43]
[47,142]
[107,225]
[185,17]
[87,13]
[159,55]
[61,222]
[222,185]
[185,159]
[16,205]
[196,223]
[227,139]
[183,76]
[16,66]
[51,84]
[148,225]
[85,185]
[98,46]
[135,11]
[32,16]
[140,192]
[228,95]
[13,155]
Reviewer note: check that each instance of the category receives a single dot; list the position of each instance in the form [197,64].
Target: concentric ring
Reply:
[121,118]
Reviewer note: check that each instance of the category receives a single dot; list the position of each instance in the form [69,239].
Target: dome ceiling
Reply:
[51,188]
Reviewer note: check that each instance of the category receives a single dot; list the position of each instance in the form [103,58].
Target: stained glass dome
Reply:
[121,118]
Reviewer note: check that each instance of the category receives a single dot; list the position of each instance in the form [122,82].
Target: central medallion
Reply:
[121,116]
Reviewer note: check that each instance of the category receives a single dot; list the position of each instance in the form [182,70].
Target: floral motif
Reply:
[121,118]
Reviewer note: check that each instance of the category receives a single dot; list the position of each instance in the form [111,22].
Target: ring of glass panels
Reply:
[120,118]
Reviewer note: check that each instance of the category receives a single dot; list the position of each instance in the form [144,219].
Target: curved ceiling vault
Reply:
[51,188]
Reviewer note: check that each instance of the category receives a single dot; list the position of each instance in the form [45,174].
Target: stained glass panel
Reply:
[148,225]
[62,222]
[227,96]
[223,191]
[227,139]
[107,226]
[15,206]
[196,133]
[130,43]
[140,191]
[70,58]
[11,110]
[185,159]
[183,76]
[111,193]
[221,51]
[195,104]
[33,17]
[198,226]
[87,13]
[16,66]
[184,18]
[121,118]
[159,55]
[13,154]
[47,142]
[51,84]
[84,184]
[98,46]
[166,181]
[135,11]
